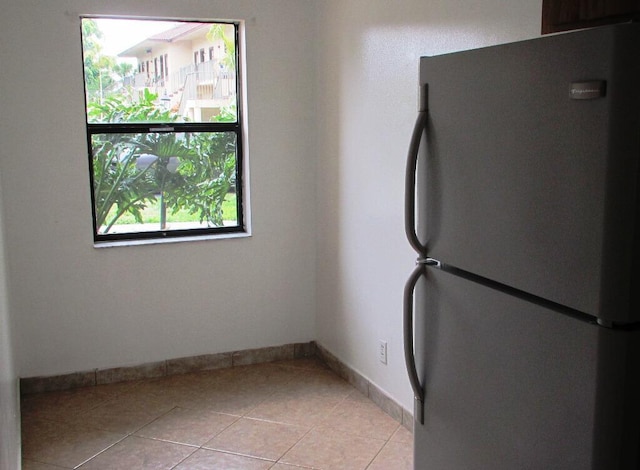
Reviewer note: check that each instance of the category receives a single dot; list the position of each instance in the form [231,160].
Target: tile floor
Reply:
[282,416]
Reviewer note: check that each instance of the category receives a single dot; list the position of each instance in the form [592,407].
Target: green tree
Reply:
[123,70]
[91,49]
[204,176]
[217,31]
[208,174]
[120,186]
[102,72]
[120,108]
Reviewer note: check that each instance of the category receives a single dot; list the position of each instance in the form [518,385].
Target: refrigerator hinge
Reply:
[613,325]
[429,262]
[604,323]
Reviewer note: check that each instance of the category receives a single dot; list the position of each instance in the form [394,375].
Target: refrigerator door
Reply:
[511,385]
[531,172]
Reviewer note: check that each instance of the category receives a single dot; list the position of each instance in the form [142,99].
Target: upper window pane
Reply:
[128,61]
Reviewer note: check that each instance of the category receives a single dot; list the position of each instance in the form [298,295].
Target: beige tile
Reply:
[257,438]
[259,375]
[153,395]
[211,460]
[333,451]
[356,380]
[139,453]
[327,357]
[295,408]
[223,400]
[184,426]
[285,466]
[357,415]
[198,363]
[301,350]
[392,408]
[312,363]
[251,415]
[61,405]
[407,420]
[256,356]
[403,435]
[121,417]
[321,378]
[314,385]
[342,370]
[116,388]
[122,374]
[33,465]
[57,382]
[393,456]
[62,444]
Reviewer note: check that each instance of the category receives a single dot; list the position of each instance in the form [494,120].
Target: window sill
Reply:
[158,241]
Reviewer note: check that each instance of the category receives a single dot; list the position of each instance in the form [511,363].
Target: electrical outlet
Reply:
[382,351]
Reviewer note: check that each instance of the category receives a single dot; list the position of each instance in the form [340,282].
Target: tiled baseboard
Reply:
[219,361]
[366,387]
[168,367]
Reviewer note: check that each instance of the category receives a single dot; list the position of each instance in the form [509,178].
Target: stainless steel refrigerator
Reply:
[522,316]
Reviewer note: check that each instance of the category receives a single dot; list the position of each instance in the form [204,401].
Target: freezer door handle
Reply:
[410,174]
[409,354]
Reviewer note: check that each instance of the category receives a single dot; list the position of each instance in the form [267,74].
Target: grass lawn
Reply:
[151,215]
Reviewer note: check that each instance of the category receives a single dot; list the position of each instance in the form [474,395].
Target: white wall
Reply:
[76,307]
[367,105]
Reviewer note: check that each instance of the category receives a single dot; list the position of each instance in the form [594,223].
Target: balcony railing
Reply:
[207,84]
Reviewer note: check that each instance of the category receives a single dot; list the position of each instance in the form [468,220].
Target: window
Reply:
[165,156]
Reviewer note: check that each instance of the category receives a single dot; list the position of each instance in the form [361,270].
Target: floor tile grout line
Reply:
[194,446]
[271,421]
[250,456]
[129,434]
[314,427]
[245,416]
[238,418]
[295,444]
[183,444]
[102,451]
[379,452]
[45,463]
[198,446]
[183,460]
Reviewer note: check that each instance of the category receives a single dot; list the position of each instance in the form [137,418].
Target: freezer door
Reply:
[511,385]
[530,173]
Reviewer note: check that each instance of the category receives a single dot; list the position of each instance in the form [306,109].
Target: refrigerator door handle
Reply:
[421,268]
[410,174]
[409,355]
